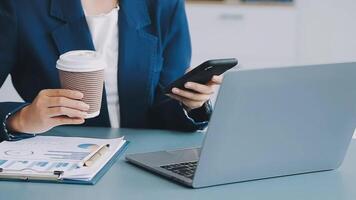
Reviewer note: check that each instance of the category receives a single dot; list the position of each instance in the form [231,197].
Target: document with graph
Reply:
[59,159]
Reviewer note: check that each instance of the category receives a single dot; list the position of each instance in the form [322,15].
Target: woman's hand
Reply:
[201,94]
[51,108]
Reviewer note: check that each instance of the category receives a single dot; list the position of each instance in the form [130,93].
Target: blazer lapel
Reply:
[138,58]
[74,33]
[136,12]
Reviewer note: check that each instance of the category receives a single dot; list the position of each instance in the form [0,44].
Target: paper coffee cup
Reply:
[83,71]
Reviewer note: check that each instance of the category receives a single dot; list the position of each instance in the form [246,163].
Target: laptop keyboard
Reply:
[185,169]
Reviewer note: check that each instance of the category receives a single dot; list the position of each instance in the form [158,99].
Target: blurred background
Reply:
[266,33]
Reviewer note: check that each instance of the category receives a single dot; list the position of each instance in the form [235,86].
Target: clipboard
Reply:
[56,176]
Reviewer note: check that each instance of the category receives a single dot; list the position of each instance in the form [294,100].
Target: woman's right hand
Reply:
[51,108]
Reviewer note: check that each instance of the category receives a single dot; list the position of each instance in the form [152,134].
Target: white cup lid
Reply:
[81,61]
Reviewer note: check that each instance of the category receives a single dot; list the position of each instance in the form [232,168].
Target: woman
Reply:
[146,45]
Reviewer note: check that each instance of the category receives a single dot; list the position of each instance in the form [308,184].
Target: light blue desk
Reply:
[124,181]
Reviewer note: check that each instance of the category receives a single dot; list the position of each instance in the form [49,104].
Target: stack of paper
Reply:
[48,154]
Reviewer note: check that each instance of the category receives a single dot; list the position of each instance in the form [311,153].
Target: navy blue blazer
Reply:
[154,50]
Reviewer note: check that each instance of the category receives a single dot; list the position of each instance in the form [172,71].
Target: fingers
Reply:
[62,98]
[63,111]
[62,93]
[217,79]
[201,93]
[199,88]
[187,102]
[62,120]
[191,95]
[66,102]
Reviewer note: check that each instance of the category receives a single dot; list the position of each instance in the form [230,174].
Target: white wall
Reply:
[326,30]
[257,36]
[316,31]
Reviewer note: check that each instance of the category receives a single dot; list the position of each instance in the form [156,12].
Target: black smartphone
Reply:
[203,73]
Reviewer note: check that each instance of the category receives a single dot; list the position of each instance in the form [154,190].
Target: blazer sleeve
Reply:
[169,113]
[8,57]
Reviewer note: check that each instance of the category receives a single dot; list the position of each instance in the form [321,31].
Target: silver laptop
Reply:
[268,123]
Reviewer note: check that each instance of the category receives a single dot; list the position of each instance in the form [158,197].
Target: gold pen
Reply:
[96,155]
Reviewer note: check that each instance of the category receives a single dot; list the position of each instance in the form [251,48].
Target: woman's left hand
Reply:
[201,93]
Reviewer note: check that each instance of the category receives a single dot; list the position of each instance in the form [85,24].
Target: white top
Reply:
[105,35]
